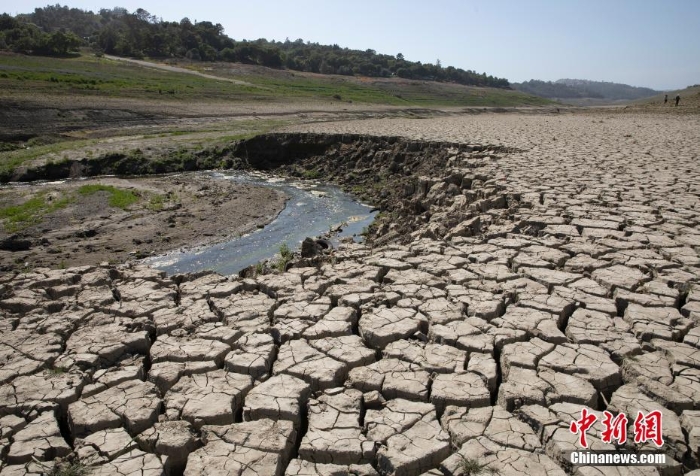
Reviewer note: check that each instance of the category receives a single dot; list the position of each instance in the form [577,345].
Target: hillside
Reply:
[186,80]
[689,103]
[46,103]
[57,30]
[583,92]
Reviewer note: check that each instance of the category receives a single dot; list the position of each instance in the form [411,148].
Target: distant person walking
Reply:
[678,99]
[665,99]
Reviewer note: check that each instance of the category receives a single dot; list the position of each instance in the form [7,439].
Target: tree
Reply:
[60,43]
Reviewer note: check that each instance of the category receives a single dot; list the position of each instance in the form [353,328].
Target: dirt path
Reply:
[177,69]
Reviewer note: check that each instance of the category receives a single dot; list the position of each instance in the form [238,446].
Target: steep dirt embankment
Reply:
[413,183]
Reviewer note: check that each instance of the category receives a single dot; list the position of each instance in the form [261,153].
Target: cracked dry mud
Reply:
[569,282]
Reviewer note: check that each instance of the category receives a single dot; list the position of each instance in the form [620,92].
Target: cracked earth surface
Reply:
[569,282]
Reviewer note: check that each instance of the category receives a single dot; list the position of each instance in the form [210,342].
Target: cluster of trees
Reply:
[139,34]
[581,88]
[26,37]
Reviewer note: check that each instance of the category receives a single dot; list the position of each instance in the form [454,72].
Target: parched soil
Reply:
[172,212]
[519,288]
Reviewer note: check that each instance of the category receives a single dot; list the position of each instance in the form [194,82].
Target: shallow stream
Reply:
[312,209]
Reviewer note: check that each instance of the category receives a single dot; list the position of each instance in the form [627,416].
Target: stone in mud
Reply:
[301,360]
[279,398]
[104,445]
[465,389]
[166,374]
[253,355]
[187,317]
[136,462]
[487,455]
[15,243]
[338,322]
[334,434]
[384,326]
[372,377]
[24,353]
[418,449]
[105,345]
[585,361]
[495,423]
[174,349]
[610,333]
[211,398]
[300,467]
[41,440]
[431,357]
[396,416]
[133,404]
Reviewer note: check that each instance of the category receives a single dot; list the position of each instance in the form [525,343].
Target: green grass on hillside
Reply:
[93,76]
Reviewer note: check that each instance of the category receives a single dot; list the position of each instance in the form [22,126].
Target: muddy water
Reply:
[312,209]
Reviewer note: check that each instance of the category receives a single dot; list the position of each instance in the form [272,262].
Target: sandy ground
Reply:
[193,209]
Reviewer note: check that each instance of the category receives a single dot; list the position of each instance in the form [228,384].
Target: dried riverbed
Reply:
[506,289]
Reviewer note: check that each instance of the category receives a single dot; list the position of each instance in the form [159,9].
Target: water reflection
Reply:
[312,209]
